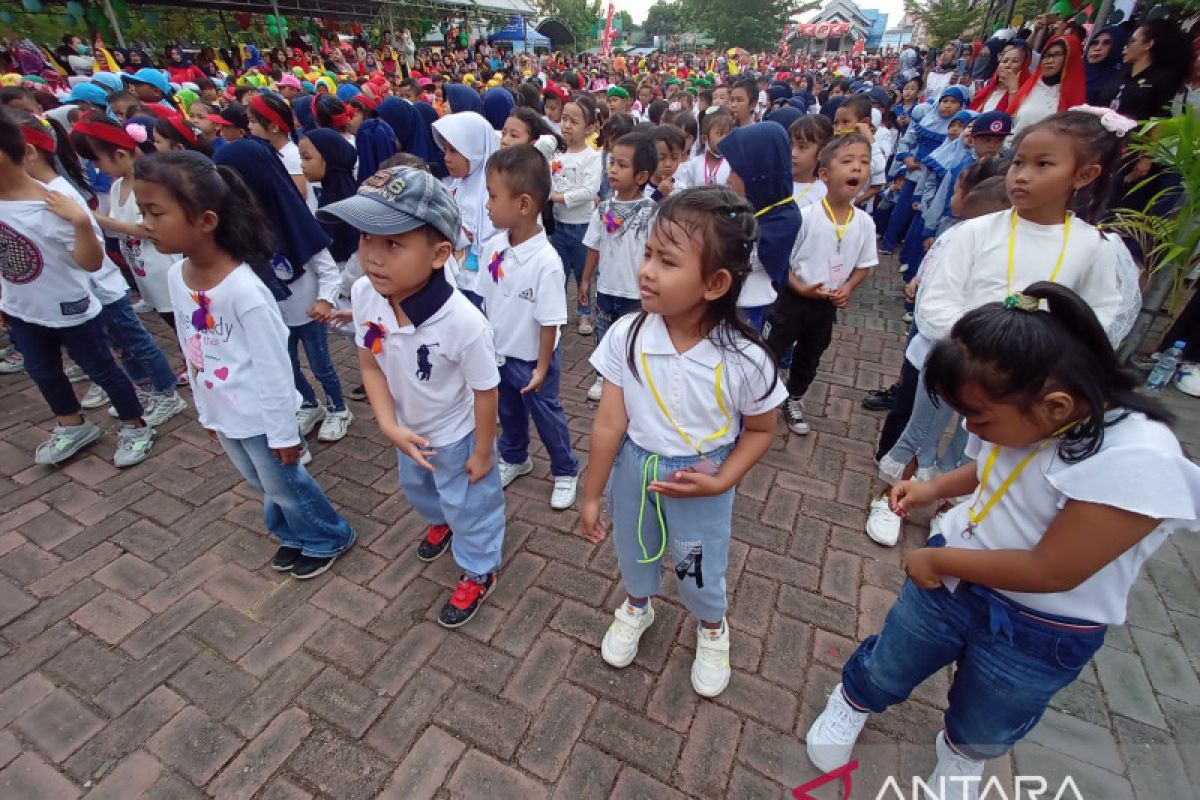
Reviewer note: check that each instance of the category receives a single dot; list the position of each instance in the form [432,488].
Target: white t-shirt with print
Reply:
[149,266]
[522,291]
[39,280]
[817,253]
[237,359]
[108,284]
[577,176]
[618,231]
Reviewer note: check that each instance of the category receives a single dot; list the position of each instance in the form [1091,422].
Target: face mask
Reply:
[84,49]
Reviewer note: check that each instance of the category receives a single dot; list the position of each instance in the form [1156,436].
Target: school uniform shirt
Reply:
[881,150]
[1140,468]
[108,284]
[149,266]
[522,291]
[434,364]
[234,343]
[39,280]
[577,176]
[974,270]
[618,231]
[681,177]
[290,154]
[321,281]
[687,385]
[817,254]
[699,174]
[807,194]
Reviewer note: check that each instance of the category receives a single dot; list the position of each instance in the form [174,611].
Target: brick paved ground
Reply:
[147,650]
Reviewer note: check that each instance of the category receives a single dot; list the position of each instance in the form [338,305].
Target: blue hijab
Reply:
[338,184]
[376,143]
[253,59]
[347,92]
[298,236]
[1100,75]
[462,98]
[429,116]
[498,103]
[302,108]
[761,155]
[785,116]
[412,132]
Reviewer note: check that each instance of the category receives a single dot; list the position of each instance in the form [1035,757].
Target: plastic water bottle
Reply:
[1164,370]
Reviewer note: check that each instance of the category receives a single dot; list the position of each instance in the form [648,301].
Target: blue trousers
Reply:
[1010,661]
[545,409]
[901,216]
[315,338]
[608,309]
[923,433]
[42,347]
[474,511]
[140,355]
[295,509]
[568,242]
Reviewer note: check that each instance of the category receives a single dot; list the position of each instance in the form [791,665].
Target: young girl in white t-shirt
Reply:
[687,408]
[575,178]
[235,344]
[708,168]
[1077,482]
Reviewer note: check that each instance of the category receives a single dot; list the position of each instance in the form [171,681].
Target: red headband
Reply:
[184,130]
[335,120]
[106,133]
[261,108]
[556,90]
[38,137]
[161,111]
[367,100]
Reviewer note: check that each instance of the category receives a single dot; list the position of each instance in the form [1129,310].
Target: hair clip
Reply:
[1021,302]
[732,214]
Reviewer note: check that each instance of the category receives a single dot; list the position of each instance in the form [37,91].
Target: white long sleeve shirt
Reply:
[577,176]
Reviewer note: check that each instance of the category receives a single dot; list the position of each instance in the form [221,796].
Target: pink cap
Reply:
[425,82]
[290,80]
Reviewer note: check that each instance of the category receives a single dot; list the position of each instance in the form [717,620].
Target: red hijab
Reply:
[1072,88]
[984,93]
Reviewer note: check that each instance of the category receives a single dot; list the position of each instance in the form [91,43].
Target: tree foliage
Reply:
[752,24]
[944,20]
[663,19]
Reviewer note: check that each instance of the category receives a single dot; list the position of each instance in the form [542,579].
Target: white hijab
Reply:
[472,135]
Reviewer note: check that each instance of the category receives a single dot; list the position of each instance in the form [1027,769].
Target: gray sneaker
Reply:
[133,445]
[12,364]
[143,398]
[94,397]
[75,374]
[161,407]
[307,418]
[65,441]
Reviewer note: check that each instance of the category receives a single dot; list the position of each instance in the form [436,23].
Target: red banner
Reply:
[822,30]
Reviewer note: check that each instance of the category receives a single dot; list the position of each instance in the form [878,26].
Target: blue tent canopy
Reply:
[517,32]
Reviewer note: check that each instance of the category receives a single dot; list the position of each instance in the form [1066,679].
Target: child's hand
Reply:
[320,311]
[916,206]
[908,495]
[814,291]
[687,483]
[341,315]
[590,524]
[919,566]
[535,381]
[288,455]
[928,243]
[67,209]
[667,186]
[840,297]
[412,445]
[583,294]
[479,464]
[910,291]
[912,164]
[866,130]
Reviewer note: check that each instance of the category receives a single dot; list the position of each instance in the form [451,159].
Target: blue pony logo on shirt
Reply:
[424,365]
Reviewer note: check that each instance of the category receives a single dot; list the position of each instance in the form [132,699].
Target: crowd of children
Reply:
[712,253]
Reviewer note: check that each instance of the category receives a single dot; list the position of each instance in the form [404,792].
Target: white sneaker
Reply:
[12,364]
[710,669]
[907,317]
[75,374]
[306,459]
[510,472]
[883,525]
[793,414]
[133,445]
[890,470]
[925,474]
[1187,379]
[6,351]
[620,643]
[954,777]
[94,397]
[142,307]
[935,524]
[308,417]
[830,739]
[333,429]
[158,408]
[563,496]
[585,326]
[596,390]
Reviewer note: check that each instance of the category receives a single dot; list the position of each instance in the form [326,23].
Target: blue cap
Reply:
[109,80]
[398,200]
[957,92]
[964,116]
[993,123]
[150,76]
[87,93]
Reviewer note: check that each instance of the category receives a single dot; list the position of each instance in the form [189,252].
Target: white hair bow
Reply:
[1111,120]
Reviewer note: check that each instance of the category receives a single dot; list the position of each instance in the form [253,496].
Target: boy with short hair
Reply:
[831,257]
[854,116]
[619,100]
[669,142]
[429,367]
[523,296]
[616,237]
[720,96]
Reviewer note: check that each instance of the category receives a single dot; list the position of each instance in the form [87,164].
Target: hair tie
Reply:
[1111,121]
[1021,302]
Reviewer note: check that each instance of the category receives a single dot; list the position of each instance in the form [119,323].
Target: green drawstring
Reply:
[662,525]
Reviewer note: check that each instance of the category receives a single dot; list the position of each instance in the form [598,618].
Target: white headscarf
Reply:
[472,135]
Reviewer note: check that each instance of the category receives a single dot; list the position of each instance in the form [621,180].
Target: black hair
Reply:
[706,95]
[1093,144]
[537,125]
[980,171]
[860,104]
[887,118]
[617,126]
[281,107]
[166,129]
[205,83]
[12,94]
[240,92]
[686,122]
[90,146]
[671,134]
[587,105]
[359,103]
[122,97]
[747,85]
[655,111]
[985,197]
[645,155]
[406,160]
[1017,356]
[831,148]
[712,116]
[198,185]
[524,170]
[64,159]
[12,141]
[811,129]
[841,83]
[325,108]
[644,127]
[727,229]
[238,115]
[1172,53]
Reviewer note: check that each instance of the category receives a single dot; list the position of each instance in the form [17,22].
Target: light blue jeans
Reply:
[295,509]
[923,434]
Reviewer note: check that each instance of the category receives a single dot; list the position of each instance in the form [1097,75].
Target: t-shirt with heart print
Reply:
[235,345]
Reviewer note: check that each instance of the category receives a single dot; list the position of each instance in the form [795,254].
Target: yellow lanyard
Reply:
[783,202]
[1012,247]
[976,518]
[682,433]
[839,230]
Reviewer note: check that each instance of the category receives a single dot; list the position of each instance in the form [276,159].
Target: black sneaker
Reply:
[881,400]
[793,414]
[359,392]
[465,600]
[312,566]
[436,541]
[285,558]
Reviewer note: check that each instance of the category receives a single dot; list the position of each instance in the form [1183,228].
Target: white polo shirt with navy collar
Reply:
[522,291]
[687,384]
[434,364]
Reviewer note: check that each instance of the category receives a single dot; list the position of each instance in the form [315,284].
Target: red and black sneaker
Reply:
[465,601]
[436,540]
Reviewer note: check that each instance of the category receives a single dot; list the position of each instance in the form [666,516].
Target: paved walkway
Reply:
[147,650]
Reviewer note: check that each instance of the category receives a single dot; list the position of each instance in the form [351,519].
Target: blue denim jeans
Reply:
[901,216]
[474,511]
[568,242]
[1010,661]
[140,355]
[42,347]
[756,316]
[315,338]
[295,509]
[608,309]
[545,409]
[647,527]
[923,433]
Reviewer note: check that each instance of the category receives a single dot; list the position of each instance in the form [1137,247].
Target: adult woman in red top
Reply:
[179,68]
[1012,71]
[1059,84]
